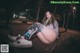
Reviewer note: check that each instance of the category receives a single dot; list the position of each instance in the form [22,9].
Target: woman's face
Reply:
[48,15]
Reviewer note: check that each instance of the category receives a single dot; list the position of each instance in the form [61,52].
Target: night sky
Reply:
[9,6]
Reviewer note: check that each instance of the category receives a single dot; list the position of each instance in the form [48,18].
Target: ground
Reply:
[68,42]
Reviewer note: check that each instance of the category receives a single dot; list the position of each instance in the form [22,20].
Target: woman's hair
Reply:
[51,19]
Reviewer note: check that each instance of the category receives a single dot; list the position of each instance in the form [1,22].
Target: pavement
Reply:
[68,42]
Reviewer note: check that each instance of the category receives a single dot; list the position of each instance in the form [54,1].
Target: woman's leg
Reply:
[42,38]
[46,35]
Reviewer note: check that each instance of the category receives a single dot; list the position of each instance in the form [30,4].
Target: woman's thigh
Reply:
[47,33]
[42,38]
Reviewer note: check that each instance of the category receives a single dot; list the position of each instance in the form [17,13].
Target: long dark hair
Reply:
[52,19]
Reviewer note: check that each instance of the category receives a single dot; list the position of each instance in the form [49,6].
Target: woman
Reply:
[47,32]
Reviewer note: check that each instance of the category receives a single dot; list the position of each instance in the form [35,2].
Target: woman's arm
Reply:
[56,27]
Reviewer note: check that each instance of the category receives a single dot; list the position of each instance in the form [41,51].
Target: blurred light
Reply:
[74,8]
[26,9]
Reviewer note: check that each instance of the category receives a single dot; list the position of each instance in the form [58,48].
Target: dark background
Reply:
[9,6]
